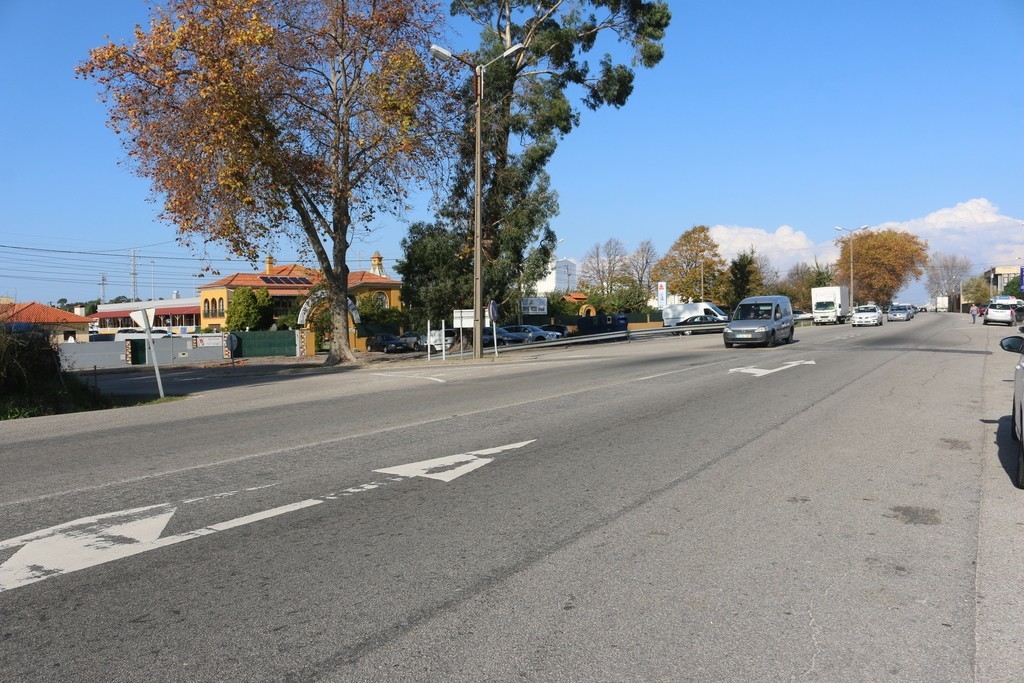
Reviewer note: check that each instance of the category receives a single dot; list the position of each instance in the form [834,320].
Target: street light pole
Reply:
[478,269]
[851,254]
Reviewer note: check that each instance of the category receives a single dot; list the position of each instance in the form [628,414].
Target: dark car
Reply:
[700,324]
[388,343]
[532,332]
[412,340]
[504,337]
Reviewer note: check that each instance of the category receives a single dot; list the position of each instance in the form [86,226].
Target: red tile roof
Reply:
[356,278]
[253,280]
[365,277]
[38,314]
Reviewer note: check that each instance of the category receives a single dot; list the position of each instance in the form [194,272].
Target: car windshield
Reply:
[824,305]
[754,312]
[865,309]
[999,307]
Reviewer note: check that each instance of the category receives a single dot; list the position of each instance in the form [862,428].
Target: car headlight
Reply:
[761,329]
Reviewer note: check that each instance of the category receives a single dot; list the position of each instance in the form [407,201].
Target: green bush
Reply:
[31,381]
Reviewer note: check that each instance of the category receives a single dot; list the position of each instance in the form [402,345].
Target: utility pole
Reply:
[103,287]
[133,273]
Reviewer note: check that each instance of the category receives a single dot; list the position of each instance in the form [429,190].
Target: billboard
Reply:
[535,305]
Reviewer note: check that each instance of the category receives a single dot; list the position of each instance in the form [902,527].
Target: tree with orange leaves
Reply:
[885,261]
[261,119]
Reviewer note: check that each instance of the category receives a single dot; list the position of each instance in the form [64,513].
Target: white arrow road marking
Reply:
[759,372]
[90,541]
[451,466]
[98,539]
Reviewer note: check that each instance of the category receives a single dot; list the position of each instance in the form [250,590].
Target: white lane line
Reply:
[98,539]
[398,374]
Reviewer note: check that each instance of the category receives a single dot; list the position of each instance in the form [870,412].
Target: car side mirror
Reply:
[1012,344]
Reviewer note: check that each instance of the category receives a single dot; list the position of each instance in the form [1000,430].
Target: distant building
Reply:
[63,327]
[180,315]
[999,277]
[562,277]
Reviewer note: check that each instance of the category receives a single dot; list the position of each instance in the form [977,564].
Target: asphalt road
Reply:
[836,509]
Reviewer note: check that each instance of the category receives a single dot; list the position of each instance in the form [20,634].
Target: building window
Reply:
[206,307]
[220,307]
[381,299]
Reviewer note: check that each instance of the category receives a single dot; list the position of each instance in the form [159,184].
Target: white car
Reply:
[998,312]
[1015,345]
[867,315]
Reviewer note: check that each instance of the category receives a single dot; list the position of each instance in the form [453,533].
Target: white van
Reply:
[762,320]
[674,314]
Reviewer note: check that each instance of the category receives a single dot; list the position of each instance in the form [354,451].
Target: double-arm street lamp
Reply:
[478,82]
[851,254]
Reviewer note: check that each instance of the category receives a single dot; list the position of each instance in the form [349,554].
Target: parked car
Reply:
[412,340]
[708,322]
[388,343]
[532,332]
[799,315]
[998,312]
[560,329]
[1015,345]
[867,315]
[898,312]
[504,337]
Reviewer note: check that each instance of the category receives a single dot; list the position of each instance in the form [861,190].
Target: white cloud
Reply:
[784,247]
[973,228]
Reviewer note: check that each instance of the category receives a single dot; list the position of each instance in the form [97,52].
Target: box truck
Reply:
[830,305]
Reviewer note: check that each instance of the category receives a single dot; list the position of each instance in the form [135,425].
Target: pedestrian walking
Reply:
[974,313]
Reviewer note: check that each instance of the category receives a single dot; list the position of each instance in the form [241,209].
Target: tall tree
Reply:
[802,277]
[261,119]
[976,290]
[433,282]
[527,110]
[744,277]
[692,267]
[885,261]
[947,274]
[604,267]
[640,265]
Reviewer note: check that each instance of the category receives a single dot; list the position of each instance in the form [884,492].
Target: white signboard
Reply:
[662,294]
[463,317]
[535,305]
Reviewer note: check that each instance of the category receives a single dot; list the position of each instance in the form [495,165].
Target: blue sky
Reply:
[770,122]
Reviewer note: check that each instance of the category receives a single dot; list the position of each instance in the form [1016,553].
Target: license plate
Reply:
[743,336]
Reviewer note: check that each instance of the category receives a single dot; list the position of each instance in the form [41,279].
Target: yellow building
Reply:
[285,283]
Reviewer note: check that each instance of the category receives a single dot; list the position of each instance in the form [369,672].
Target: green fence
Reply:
[255,344]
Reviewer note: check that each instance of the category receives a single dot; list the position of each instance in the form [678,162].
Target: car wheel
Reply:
[1013,421]
[687,332]
[728,345]
[1019,480]
[791,333]
[771,341]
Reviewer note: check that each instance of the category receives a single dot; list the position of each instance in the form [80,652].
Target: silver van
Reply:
[763,320]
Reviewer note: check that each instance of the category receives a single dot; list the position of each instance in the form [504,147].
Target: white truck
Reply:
[830,305]
[942,304]
[673,314]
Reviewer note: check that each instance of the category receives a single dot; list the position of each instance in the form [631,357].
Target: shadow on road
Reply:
[1007,446]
